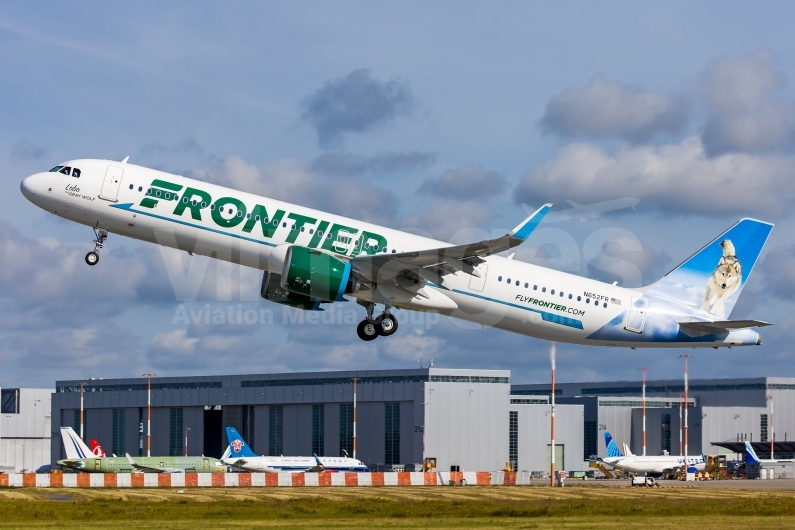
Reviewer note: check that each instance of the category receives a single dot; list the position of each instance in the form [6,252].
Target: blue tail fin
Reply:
[751,458]
[711,279]
[612,447]
[237,446]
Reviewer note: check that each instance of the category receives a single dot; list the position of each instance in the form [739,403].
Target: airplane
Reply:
[309,258]
[238,454]
[80,458]
[650,465]
[751,457]
[96,449]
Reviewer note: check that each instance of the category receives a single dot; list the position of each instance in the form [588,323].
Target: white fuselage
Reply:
[509,294]
[654,464]
[295,464]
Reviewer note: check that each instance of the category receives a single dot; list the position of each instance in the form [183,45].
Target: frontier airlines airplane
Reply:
[310,258]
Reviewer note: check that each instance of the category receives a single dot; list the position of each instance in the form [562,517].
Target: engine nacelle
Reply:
[315,273]
[272,290]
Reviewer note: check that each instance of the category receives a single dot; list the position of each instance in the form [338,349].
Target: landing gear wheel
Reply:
[389,325]
[367,331]
[92,258]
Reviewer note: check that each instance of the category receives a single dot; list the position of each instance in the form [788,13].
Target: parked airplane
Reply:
[311,258]
[751,457]
[651,465]
[240,455]
[80,458]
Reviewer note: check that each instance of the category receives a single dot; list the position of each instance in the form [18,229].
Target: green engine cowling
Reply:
[315,274]
[273,291]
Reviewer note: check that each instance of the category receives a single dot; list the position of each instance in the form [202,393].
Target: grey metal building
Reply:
[25,429]
[719,410]
[458,416]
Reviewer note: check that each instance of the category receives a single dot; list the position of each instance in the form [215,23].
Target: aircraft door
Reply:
[206,465]
[97,464]
[637,315]
[110,186]
[475,283]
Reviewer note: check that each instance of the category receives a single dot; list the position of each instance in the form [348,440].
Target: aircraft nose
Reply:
[30,186]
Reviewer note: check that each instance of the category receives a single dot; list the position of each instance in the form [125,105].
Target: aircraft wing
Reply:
[723,325]
[432,264]
[143,468]
[319,468]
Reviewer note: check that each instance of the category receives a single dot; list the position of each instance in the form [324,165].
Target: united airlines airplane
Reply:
[310,258]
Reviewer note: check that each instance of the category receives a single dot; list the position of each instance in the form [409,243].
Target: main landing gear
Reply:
[100,234]
[383,325]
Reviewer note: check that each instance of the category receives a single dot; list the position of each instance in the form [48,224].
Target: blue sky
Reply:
[442,118]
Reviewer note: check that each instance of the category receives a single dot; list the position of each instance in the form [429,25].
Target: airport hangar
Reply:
[472,419]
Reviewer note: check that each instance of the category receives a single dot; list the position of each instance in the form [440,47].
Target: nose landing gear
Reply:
[370,328]
[100,234]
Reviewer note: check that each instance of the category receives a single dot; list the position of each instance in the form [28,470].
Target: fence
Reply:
[245,480]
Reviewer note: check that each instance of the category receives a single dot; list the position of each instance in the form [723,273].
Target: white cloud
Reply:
[468,182]
[606,109]
[444,218]
[676,178]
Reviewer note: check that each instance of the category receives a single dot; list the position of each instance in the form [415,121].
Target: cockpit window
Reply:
[65,170]
[56,169]
[76,173]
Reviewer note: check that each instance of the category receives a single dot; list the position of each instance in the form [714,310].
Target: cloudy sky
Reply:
[448,119]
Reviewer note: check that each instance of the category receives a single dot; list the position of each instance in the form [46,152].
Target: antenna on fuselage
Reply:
[126,158]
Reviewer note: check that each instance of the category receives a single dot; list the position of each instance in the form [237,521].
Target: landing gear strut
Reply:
[100,234]
[370,328]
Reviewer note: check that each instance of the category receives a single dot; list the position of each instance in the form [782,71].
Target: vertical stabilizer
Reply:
[751,456]
[73,445]
[711,279]
[237,446]
[612,447]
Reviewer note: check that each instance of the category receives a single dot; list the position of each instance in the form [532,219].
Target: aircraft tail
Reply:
[751,457]
[96,449]
[73,445]
[711,279]
[237,446]
[627,452]
[612,447]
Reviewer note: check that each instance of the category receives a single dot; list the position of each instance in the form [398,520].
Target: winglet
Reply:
[130,460]
[524,230]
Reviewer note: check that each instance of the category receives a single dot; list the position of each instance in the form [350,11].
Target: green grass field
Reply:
[394,508]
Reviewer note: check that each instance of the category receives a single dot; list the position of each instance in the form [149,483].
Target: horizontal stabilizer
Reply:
[722,325]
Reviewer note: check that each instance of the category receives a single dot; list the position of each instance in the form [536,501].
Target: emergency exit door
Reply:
[110,186]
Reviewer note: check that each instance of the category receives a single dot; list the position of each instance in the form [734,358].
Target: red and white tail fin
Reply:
[96,449]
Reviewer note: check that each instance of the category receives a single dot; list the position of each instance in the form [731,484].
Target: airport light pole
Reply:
[82,388]
[772,425]
[354,379]
[686,356]
[643,371]
[680,424]
[149,413]
[552,416]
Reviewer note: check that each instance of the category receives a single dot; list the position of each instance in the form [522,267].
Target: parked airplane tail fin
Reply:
[612,447]
[751,456]
[627,452]
[96,449]
[75,447]
[237,445]
[711,279]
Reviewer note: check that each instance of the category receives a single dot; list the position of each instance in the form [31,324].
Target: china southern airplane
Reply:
[238,454]
[651,465]
[309,258]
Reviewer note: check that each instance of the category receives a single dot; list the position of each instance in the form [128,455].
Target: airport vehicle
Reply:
[650,465]
[751,458]
[80,458]
[310,258]
[240,455]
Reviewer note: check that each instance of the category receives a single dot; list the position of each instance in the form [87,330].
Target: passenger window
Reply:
[605,304]
[248,215]
[526,285]
[131,186]
[204,205]
[311,230]
[76,173]
[240,213]
[587,300]
[543,289]
[561,294]
[393,251]
[140,188]
[569,296]
[499,278]
[535,287]
[509,280]
[212,206]
[552,291]
[257,218]
[65,170]
[579,298]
